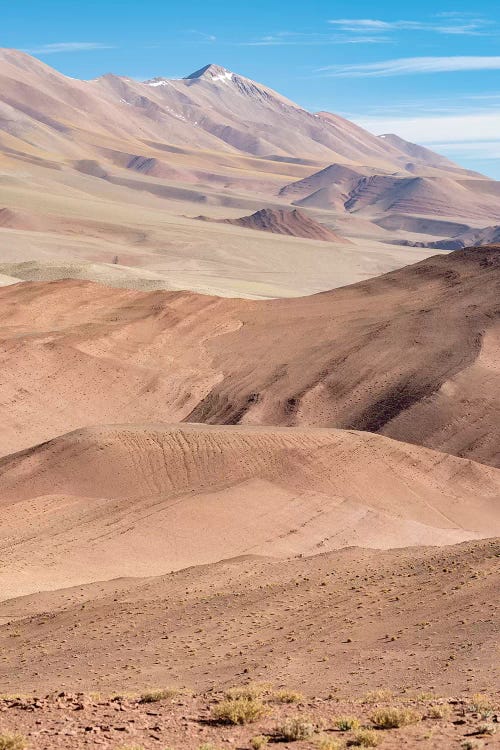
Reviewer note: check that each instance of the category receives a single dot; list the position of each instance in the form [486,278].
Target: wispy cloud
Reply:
[202,35]
[297,38]
[452,23]
[411,65]
[52,49]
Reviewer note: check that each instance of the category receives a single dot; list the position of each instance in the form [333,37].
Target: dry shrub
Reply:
[439,712]
[153,696]
[481,704]
[239,711]
[347,723]
[259,741]
[251,691]
[288,696]
[328,743]
[296,729]
[12,742]
[394,718]
[377,696]
[363,738]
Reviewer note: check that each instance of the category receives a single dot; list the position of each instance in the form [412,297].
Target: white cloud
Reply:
[51,49]
[472,138]
[412,65]
[454,24]
[470,127]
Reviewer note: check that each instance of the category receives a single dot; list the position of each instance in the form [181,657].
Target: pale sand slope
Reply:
[137,500]
[80,220]
[413,355]
[340,623]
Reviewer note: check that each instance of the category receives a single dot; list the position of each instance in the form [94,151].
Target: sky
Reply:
[428,71]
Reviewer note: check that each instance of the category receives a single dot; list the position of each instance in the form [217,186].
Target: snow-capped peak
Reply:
[212,73]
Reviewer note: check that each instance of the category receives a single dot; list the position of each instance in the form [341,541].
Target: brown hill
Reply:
[412,355]
[294,223]
[140,500]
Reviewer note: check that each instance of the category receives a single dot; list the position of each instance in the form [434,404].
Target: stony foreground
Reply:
[172,719]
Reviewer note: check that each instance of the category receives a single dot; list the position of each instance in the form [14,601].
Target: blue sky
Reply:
[429,71]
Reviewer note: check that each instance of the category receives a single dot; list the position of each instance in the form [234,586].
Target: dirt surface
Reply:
[355,620]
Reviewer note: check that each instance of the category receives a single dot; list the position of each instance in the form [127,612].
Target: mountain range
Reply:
[123,167]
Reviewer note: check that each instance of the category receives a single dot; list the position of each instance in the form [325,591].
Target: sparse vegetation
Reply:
[486,728]
[153,696]
[288,696]
[394,718]
[441,711]
[12,742]
[363,738]
[251,691]
[296,729]
[347,723]
[481,704]
[377,696]
[239,710]
[259,741]
[328,743]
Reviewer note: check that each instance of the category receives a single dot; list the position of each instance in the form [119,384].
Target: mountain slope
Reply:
[412,355]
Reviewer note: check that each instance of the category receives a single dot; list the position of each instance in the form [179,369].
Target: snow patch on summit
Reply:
[224,77]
